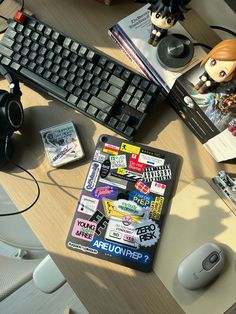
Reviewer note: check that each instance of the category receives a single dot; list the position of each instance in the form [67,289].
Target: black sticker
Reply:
[106,166]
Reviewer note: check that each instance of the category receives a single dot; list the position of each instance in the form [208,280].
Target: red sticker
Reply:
[135,165]
[140,186]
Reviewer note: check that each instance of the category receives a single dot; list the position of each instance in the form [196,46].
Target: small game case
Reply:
[62,144]
[120,213]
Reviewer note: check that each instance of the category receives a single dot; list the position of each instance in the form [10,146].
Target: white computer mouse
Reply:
[201,266]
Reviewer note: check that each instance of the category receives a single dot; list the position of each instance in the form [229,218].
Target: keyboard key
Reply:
[114,91]
[100,104]
[92,110]
[114,80]
[82,105]
[73,99]
[5,51]
[102,116]
[43,83]
[106,97]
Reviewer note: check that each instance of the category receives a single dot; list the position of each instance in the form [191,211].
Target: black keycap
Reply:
[50,44]
[70,77]
[62,83]
[44,83]
[57,37]
[81,72]
[67,42]
[153,89]
[65,64]
[40,27]
[8,42]
[32,66]
[78,91]
[147,99]
[94,90]
[92,110]
[47,64]
[65,53]
[126,75]
[62,73]
[102,116]
[89,66]
[97,70]
[55,78]
[134,103]
[125,118]
[82,105]
[73,57]
[16,57]
[78,81]
[47,74]
[120,126]
[42,40]
[114,91]
[144,85]
[73,99]
[104,85]
[5,61]
[32,56]
[91,55]
[102,61]
[35,36]
[138,94]
[58,49]
[70,87]
[19,38]
[118,70]
[81,62]
[86,86]
[96,81]
[100,104]
[126,98]
[85,96]
[75,47]
[57,59]
[88,77]
[136,80]
[19,28]
[114,80]
[142,107]
[39,70]
[112,122]
[34,47]
[72,68]
[104,75]
[17,47]
[24,51]
[106,97]
[24,61]
[131,89]
[15,66]
[82,51]
[10,33]
[5,51]
[47,31]
[110,66]
[42,51]
[27,32]
[129,130]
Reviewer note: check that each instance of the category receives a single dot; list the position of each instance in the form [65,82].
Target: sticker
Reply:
[110,149]
[150,160]
[131,149]
[135,165]
[158,188]
[87,205]
[105,168]
[122,184]
[118,161]
[129,207]
[141,199]
[150,153]
[147,233]
[108,206]
[92,176]
[101,221]
[82,248]
[160,173]
[84,229]
[105,191]
[121,251]
[122,233]
[127,175]
[99,156]
[156,207]
[140,186]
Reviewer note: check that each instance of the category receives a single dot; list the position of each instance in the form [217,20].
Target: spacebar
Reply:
[44,83]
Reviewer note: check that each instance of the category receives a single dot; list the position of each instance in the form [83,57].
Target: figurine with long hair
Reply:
[220,66]
[164,14]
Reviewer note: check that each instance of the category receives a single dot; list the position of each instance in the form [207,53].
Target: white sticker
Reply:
[87,205]
[158,188]
[118,161]
[92,176]
[99,156]
[150,160]
[147,233]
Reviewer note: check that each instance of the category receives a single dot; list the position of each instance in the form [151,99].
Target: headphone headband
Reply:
[13,83]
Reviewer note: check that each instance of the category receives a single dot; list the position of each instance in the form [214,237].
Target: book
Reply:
[132,34]
[123,203]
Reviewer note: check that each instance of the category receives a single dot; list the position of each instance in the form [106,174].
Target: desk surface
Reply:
[101,286]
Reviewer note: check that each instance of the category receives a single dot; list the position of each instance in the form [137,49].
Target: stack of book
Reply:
[132,34]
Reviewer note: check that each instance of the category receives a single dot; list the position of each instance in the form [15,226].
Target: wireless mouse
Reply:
[200,267]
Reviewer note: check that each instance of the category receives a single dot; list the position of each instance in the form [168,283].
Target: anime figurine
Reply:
[164,14]
[220,66]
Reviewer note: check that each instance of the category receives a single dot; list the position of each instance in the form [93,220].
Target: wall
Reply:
[216,12]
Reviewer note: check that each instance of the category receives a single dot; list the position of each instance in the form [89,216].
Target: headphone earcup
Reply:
[11,111]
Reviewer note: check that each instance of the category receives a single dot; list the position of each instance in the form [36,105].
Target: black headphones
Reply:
[11,114]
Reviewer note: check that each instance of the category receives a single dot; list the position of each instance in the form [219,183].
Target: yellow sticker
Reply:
[156,207]
[118,214]
[121,171]
[131,149]
[108,207]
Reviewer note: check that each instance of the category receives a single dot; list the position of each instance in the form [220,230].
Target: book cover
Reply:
[134,30]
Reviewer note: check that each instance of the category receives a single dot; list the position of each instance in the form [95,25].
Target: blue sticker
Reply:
[105,191]
[141,199]
[121,251]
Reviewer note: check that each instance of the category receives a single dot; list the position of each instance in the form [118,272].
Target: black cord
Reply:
[30,174]
[223,29]
[6,19]
[203,45]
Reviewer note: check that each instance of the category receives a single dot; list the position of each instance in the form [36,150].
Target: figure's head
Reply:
[220,62]
[165,13]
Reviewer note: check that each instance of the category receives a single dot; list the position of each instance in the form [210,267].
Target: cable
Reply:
[6,19]
[223,29]
[30,174]
[203,45]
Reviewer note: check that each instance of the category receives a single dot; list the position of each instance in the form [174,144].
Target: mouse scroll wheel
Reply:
[214,258]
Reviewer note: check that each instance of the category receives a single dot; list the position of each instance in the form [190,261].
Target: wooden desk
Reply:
[103,287]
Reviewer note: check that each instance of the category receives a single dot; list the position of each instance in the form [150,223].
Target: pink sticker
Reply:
[135,165]
[84,229]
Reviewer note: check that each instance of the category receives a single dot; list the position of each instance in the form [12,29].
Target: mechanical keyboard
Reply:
[84,79]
